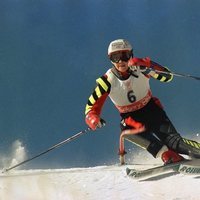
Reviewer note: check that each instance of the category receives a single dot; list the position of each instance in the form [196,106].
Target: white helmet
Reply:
[119,45]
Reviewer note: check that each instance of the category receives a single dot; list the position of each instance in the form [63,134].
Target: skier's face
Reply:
[121,66]
[120,60]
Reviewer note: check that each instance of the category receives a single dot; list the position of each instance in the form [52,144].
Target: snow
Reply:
[96,183]
[108,182]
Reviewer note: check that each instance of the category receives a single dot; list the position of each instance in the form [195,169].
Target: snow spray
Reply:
[16,155]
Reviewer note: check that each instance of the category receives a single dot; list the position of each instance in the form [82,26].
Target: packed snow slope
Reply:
[97,183]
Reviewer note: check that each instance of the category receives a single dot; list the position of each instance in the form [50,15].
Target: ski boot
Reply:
[170,156]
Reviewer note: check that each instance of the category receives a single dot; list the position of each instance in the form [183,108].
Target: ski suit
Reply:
[132,96]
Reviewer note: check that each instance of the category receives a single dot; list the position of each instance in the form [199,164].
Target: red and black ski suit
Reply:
[138,108]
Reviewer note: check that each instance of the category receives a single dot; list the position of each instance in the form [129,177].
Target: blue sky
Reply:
[51,52]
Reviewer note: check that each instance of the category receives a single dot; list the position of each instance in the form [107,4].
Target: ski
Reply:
[183,167]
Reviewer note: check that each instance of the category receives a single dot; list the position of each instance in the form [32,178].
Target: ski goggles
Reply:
[122,55]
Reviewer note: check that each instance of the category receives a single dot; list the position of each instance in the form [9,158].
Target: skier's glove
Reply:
[94,121]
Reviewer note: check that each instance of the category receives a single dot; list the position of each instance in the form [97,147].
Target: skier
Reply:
[143,119]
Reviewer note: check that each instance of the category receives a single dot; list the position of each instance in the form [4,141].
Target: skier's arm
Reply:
[152,69]
[96,102]
[160,73]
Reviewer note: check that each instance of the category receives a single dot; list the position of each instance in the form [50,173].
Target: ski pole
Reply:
[178,74]
[49,149]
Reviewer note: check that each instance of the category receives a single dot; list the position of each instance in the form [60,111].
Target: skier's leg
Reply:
[170,137]
[154,147]
[148,141]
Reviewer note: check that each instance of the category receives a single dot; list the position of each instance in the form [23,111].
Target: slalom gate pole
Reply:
[49,149]
[178,74]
